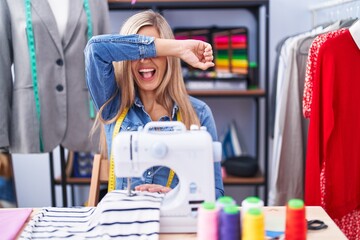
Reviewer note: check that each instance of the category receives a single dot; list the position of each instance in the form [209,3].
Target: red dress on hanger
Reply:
[332,177]
[311,67]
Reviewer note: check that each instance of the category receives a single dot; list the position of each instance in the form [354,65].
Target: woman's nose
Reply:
[144,60]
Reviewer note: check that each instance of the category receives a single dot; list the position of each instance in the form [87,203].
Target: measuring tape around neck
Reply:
[112,180]
[119,121]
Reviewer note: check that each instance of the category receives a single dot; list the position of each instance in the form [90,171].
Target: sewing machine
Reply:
[190,153]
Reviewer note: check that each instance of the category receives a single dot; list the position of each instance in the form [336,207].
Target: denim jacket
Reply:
[100,52]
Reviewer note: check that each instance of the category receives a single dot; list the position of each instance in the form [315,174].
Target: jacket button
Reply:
[60,62]
[59,87]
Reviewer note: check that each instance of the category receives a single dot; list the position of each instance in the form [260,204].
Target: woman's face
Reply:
[148,72]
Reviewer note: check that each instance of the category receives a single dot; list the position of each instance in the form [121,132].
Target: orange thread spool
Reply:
[296,226]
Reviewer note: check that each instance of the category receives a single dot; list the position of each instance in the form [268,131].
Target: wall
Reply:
[287,17]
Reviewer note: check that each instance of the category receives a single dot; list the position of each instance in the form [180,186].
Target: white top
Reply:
[355,32]
[116,215]
[60,9]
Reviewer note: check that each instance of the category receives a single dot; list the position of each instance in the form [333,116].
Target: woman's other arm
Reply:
[196,53]
[100,53]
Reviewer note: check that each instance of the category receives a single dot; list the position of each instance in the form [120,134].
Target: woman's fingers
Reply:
[204,65]
[197,53]
[152,188]
[208,57]
[160,189]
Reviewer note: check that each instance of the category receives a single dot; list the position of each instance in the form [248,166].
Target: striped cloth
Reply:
[117,216]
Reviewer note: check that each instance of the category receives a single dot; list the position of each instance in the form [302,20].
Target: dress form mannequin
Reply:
[59,40]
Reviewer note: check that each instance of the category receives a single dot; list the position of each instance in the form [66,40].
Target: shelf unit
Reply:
[260,179]
[258,95]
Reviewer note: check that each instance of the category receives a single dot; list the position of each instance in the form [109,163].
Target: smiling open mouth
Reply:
[147,73]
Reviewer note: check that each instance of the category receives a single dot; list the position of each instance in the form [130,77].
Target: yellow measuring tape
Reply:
[172,173]
[119,121]
[112,180]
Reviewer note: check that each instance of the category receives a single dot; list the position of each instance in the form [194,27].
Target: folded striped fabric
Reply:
[117,216]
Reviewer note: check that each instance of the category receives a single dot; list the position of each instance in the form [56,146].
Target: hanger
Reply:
[347,23]
[355,32]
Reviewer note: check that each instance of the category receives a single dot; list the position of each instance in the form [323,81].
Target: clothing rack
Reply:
[344,9]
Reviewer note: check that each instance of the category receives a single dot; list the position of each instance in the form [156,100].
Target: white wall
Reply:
[32,171]
[287,17]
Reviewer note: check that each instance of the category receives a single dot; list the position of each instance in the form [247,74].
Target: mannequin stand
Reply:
[63,182]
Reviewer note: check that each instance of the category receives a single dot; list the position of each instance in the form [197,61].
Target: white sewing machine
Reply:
[189,153]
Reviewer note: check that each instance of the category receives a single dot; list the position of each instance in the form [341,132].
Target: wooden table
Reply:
[275,219]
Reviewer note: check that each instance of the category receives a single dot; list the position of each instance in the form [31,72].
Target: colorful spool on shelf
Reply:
[231,53]
[253,80]
[296,226]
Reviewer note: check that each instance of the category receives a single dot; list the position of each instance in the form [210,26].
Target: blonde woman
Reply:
[138,72]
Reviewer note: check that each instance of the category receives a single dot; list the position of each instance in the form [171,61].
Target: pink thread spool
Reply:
[208,215]
[296,226]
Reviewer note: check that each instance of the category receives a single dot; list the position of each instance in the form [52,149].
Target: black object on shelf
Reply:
[241,166]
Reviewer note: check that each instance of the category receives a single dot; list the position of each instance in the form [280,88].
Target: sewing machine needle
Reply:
[129,193]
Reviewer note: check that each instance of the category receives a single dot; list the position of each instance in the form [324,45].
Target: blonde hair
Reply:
[172,88]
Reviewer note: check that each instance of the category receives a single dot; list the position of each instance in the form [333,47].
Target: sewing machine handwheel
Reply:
[159,150]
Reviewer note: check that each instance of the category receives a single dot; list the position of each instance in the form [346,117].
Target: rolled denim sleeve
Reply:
[219,186]
[100,53]
[207,119]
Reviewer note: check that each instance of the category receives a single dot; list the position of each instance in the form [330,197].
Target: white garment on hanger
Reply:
[355,32]
[60,9]
[287,72]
